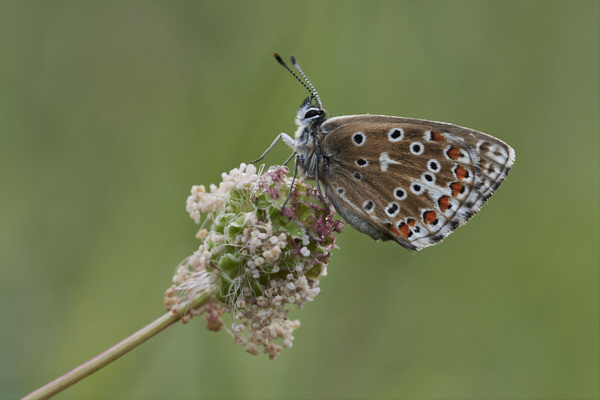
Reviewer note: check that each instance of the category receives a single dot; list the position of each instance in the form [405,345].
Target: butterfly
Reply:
[404,179]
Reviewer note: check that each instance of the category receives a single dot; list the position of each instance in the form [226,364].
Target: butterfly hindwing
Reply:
[410,180]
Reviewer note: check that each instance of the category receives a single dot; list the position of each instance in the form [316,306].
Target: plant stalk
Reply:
[111,354]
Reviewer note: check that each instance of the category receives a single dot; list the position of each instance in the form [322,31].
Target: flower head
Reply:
[258,258]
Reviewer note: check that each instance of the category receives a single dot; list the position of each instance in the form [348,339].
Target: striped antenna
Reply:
[309,87]
[312,88]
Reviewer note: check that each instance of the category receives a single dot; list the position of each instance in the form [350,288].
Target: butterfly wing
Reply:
[410,180]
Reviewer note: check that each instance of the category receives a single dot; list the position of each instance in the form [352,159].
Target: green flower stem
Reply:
[116,351]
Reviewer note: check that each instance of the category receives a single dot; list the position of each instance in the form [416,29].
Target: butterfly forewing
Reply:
[410,180]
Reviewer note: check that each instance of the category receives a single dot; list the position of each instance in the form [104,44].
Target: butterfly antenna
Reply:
[313,91]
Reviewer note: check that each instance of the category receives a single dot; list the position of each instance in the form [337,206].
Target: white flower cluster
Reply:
[263,247]
[265,318]
[202,202]
[252,264]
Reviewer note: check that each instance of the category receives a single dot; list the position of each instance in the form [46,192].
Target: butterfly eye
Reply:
[313,112]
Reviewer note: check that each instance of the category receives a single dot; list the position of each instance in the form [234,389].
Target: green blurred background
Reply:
[111,111]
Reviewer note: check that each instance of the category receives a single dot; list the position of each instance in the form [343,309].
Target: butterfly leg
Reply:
[321,197]
[286,138]
[288,160]
[289,196]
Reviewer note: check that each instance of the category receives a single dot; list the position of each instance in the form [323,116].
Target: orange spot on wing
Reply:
[453,153]
[437,137]
[444,203]
[404,230]
[396,231]
[457,188]
[461,173]
[429,217]
[411,222]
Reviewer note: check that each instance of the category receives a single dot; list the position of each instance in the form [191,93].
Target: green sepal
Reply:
[229,263]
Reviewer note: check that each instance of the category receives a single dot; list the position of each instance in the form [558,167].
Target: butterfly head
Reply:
[306,142]
[309,114]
